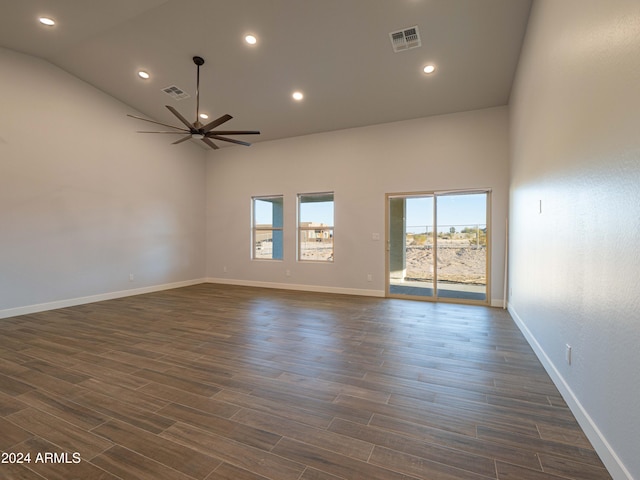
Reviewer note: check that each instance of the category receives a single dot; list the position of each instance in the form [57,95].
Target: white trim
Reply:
[303,288]
[608,456]
[497,302]
[42,307]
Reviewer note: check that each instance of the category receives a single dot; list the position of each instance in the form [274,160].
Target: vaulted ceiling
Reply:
[338,53]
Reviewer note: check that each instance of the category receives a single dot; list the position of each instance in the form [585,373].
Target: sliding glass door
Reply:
[437,246]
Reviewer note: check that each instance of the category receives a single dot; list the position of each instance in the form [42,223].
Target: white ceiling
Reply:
[337,52]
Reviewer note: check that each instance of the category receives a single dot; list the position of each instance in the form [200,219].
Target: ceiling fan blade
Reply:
[157,123]
[216,122]
[235,132]
[181,132]
[231,140]
[180,117]
[184,139]
[210,143]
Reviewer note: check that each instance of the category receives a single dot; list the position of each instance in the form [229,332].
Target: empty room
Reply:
[319,239]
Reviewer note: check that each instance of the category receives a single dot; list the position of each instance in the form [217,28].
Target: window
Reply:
[267,227]
[315,227]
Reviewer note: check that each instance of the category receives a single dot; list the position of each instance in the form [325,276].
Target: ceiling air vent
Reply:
[405,39]
[176,93]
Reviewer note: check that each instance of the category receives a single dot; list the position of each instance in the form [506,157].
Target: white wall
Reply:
[575,145]
[84,200]
[465,150]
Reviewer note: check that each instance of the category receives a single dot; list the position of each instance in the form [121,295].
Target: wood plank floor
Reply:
[232,383]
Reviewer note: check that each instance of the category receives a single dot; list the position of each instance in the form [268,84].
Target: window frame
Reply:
[256,229]
[314,228]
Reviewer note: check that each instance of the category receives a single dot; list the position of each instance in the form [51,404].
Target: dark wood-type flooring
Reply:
[221,382]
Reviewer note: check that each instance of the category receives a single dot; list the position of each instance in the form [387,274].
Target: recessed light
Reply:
[297,96]
[143,74]
[251,39]
[429,69]
[49,22]
[204,116]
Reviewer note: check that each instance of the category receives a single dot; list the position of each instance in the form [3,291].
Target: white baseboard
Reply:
[303,288]
[495,302]
[608,456]
[42,307]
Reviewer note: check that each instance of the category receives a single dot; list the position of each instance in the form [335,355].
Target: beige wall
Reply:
[574,267]
[361,165]
[84,200]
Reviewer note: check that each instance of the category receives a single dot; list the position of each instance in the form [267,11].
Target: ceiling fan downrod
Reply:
[198,61]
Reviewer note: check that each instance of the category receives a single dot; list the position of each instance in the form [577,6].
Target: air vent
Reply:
[405,39]
[176,93]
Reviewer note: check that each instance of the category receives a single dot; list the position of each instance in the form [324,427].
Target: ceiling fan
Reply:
[196,129]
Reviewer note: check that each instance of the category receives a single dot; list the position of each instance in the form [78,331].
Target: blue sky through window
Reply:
[317,212]
[463,210]
[263,212]
[457,210]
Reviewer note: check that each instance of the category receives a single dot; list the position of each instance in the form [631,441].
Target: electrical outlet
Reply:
[287,273]
[224,269]
[131,277]
[375,237]
[568,353]
[369,278]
